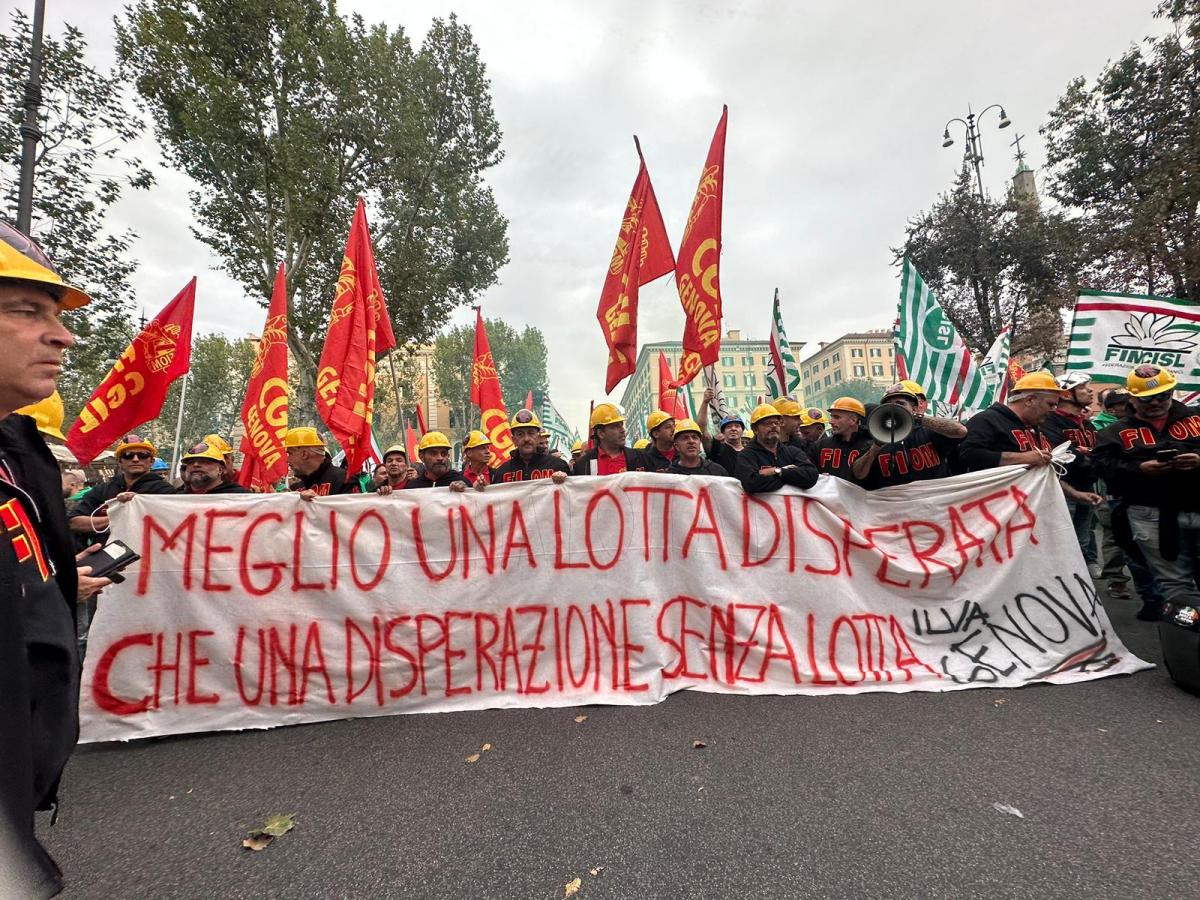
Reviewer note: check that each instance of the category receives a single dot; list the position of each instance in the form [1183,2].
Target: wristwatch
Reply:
[778,471]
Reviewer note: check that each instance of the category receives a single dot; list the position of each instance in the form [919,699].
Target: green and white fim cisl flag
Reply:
[1113,333]
[561,436]
[783,375]
[936,356]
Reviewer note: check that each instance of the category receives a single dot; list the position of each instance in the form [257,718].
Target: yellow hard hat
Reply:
[525,418]
[641,443]
[813,416]
[788,407]
[218,442]
[304,436]
[606,414]
[476,439]
[656,418]
[1146,381]
[204,450]
[21,259]
[1041,381]
[913,388]
[763,411]
[395,448]
[48,414]
[900,390]
[686,426]
[133,442]
[848,404]
[431,440]
[577,447]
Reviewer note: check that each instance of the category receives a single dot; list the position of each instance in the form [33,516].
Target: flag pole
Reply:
[179,426]
[395,386]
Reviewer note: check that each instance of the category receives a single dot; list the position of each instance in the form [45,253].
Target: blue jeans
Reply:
[1177,576]
[1083,517]
[1116,558]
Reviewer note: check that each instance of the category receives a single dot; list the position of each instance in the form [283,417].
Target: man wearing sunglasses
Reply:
[1150,459]
[135,459]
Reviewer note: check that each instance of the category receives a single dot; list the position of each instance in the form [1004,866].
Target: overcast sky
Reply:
[836,113]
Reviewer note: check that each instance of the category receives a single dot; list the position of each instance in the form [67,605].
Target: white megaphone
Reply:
[890,423]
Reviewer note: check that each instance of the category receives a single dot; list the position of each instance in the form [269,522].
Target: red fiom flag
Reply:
[642,254]
[133,391]
[697,269]
[265,409]
[359,331]
[486,394]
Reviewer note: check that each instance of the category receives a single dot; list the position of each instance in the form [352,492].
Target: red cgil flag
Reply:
[359,332]
[265,409]
[642,254]
[668,396]
[486,394]
[410,443]
[133,391]
[421,419]
[697,270]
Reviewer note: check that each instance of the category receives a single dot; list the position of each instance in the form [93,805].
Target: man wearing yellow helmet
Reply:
[205,467]
[395,461]
[1150,460]
[1009,433]
[317,475]
[477,452]
[790,413]
[135,457]
[576,452]
[924,454]
[661,449]
[1071,423]
[688,461]
[40,583]
[767,464]
[528,461]
[609,456]
[434,449]
[848,442]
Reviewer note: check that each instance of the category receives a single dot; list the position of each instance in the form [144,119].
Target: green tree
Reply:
[1125,158]
[83,166]
[216,388]
[859,388]
[520,358]
[282,112]
[996,263]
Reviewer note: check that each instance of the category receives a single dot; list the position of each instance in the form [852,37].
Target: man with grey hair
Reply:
[1009,433]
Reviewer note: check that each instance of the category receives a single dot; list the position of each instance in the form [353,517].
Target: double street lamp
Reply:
[974,139]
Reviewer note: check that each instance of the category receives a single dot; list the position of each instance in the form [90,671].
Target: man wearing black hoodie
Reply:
[767,464]
[1009,433]
[135,456]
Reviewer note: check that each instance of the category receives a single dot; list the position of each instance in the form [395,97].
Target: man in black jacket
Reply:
[843,452]
[924,454]
[434,449]
[688,461]
[529,462]
[1150,458]
[1008,434]
[766,464]
[661,451]
[135,456]
[39,581]
[1070,422]
[610,456]
[316,474]
[206,472]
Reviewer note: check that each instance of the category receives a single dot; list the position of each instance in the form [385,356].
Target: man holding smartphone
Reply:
[1150,458]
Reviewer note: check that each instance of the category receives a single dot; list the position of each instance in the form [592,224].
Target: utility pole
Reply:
[31,135]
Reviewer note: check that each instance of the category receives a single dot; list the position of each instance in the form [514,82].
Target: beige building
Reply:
[858,356]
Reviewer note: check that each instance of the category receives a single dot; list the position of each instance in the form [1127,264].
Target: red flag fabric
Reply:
[359,331]
[528,398]
[668,396]
[642,254]
[133,391]
[421,419]
[697,269]
[410,443]
[486,394]
[265,409]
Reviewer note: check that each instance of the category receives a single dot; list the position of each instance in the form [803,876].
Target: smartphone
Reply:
[1166,454]
[109,560]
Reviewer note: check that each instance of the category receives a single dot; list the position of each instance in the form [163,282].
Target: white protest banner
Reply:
[257,611]
[1113,333]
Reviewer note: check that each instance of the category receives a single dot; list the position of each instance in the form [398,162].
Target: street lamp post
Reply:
[974,138]
[31,135]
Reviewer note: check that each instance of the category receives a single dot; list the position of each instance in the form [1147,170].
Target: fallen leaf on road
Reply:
[1104,730]
[999,702]
[572,887]
[473,758]
[485,748]
[1009,810]
[580,719]
[698,745]
[259,842]
[596,871]
[275,826]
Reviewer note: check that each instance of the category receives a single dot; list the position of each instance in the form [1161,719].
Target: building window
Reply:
[826,381]
[750,379]
[877,371]
[729,380]
[876,351]
[860,372]
[837,375]
[747,360]
[824,364]
[856,352]
[727,360]
[766,360]
[837,357]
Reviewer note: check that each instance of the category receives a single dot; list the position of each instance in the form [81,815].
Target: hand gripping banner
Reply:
[257,611]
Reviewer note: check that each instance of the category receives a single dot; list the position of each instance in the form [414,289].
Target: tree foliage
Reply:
[994,263]
[860,389]
[520,358]
[282,112]
[1125,157]
[83,166]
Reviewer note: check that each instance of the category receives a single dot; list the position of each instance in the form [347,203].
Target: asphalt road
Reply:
[872,795]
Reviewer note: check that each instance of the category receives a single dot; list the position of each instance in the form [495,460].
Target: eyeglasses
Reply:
[137,455]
